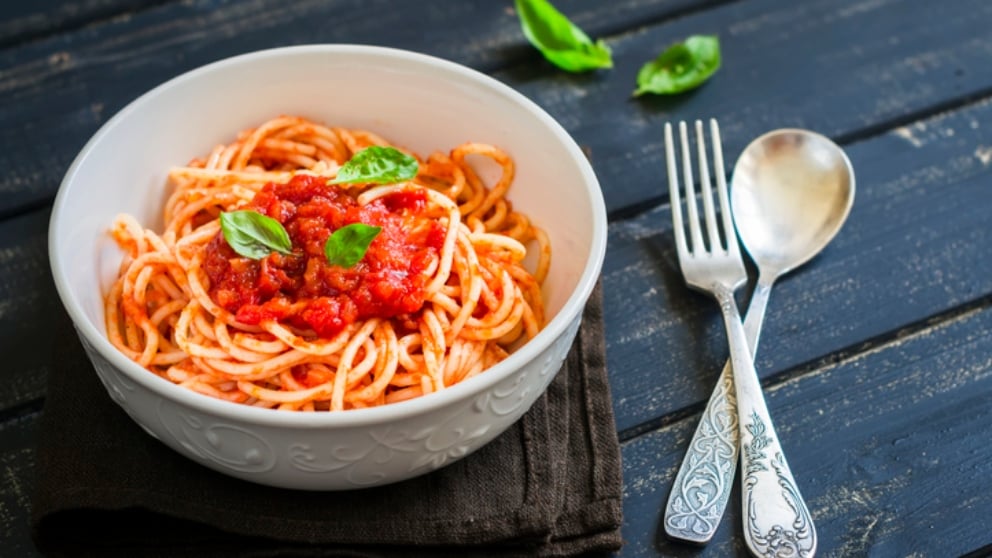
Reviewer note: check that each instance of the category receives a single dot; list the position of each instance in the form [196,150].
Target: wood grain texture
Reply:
[889,448]
[24,21]
[57,92]
[916,244]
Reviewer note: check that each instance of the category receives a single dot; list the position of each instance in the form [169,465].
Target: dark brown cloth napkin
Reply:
[548,486]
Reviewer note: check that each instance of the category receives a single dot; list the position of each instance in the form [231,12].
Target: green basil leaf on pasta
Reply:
[347,245]
[559,40]
[377,165]
[683,66]
[254,235]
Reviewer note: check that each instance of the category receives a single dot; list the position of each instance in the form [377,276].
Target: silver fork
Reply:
[776,520]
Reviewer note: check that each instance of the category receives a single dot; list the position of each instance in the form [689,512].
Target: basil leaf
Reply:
[379,165]
[254,235]
[682,67]
[559,40]
[347,245]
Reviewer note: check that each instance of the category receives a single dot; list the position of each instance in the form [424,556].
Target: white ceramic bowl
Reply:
[417,101]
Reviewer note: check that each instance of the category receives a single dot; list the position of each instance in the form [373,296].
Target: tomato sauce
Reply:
[303,289]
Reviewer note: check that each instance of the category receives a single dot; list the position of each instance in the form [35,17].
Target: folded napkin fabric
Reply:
[548,486]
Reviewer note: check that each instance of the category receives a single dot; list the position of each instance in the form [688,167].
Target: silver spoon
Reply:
[791,191]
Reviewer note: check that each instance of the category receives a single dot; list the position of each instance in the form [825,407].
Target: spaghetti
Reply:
[441,295]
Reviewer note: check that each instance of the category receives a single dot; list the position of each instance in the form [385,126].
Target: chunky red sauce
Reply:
[306,291]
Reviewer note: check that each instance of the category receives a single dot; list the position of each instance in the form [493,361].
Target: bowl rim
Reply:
[572,308]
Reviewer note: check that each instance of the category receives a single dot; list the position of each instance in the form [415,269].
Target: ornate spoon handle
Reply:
[703,483]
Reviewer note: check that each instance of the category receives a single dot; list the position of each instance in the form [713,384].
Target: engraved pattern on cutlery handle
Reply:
[706,477]
[704,481]
[776,520]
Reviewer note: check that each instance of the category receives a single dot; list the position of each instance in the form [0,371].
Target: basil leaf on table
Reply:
[683,66]
[559,40]
[379,165]
[347,245]
[254,235]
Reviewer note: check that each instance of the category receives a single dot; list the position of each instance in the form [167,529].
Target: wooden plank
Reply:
[890,451]
[57,92]
[17,442]
[29,307]
[916,244]
[22,21]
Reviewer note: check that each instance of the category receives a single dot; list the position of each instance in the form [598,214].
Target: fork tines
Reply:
[716,243]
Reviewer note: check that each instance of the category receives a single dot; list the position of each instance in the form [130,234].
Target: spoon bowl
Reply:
[791,191]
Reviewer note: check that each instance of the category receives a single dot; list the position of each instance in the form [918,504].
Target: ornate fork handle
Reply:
[702,486]
[776,520]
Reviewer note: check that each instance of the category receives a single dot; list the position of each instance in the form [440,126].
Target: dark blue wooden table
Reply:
[876,357]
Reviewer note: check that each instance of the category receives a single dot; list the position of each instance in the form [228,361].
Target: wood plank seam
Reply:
[840,357]
[934,111]
[71,24]
[890,126]
[610,33]
[880,343]
[21,410]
